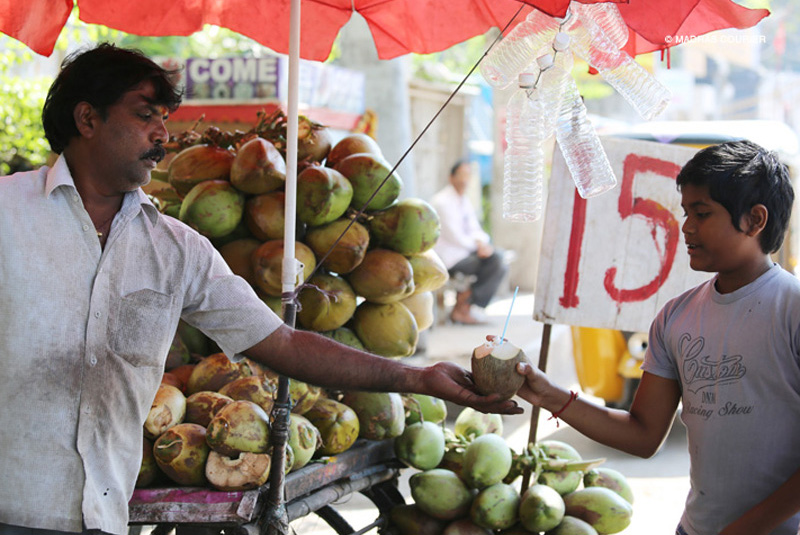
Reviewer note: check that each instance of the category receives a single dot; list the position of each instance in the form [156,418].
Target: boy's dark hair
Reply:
[739,175]
[100,76]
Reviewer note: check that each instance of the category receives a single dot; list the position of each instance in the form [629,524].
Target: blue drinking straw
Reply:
[503,336]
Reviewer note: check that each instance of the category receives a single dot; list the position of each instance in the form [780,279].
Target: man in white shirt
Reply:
[465,247]
[93,282]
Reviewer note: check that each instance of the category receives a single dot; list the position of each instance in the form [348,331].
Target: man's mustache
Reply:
[157,153]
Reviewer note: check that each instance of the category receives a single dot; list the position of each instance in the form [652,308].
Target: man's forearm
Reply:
[324,362]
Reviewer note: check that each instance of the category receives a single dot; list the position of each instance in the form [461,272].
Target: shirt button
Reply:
[85,228]
[75,198]
[97,314]
[93,361]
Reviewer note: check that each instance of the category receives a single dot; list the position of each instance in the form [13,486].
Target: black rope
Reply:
[363,208]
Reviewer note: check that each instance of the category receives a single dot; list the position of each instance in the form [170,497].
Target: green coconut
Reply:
[389,330]
[323,195]
[239,426]
[410,226]
[380,414]
[337,423]
[372,179]
[213,208]
[326,304]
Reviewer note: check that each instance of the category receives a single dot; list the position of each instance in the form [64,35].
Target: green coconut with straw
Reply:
[494,364]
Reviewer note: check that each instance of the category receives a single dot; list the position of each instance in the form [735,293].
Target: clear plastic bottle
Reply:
[553,67]
[518,49]
[584,154]
[523,166]
[607,16]
[646,94]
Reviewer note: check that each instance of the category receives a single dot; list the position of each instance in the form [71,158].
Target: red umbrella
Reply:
[398,26]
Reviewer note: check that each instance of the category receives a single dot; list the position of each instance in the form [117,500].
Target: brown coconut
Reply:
[268,265]
[213,372]
[238,254]
[347,253]
[352,144]
[199,163]
[258,167]
[384,276]
[494,368]
[181,453]
[265,215]
[202,406]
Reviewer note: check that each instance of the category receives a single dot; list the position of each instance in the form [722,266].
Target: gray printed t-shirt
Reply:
[84,334]
[737,359]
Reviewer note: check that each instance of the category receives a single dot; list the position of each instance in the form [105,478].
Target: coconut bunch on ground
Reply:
[370,251]
[465,484]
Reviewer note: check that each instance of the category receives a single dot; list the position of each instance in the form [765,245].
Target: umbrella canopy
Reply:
[398,26]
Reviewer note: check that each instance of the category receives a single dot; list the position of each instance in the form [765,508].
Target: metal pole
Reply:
[276,520]
[544,351]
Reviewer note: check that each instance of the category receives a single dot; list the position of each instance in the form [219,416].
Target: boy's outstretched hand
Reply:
[536,385]
[449,381]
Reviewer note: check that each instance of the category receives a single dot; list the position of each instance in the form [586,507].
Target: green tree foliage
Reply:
[21,135]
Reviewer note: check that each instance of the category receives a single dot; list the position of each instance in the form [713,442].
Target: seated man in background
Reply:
[465,247]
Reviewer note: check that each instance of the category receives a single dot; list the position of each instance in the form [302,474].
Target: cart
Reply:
[369,468]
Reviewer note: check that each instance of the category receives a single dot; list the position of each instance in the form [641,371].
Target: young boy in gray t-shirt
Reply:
[729,349]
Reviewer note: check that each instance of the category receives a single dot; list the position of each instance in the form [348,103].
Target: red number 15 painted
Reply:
[657,217]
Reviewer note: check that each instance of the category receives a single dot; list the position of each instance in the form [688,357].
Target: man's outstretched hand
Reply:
[451,382]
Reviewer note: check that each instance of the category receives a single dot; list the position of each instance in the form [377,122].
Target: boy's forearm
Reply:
[638,432]
[771,512]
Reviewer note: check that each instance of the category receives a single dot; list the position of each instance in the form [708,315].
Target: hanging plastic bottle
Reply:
[607,16]
[523,169]
[518,49]
[551,84]
[646,94]
[576,137]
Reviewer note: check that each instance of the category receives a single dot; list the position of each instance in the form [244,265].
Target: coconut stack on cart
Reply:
[369,273]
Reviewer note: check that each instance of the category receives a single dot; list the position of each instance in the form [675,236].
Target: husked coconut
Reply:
[167,410]
[246,471]
[494,368]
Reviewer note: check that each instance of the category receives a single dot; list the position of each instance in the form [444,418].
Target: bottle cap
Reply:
[545,61]
[527,79]
[561,42]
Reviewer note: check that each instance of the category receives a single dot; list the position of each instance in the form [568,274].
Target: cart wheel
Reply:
[334,520]
[385,496]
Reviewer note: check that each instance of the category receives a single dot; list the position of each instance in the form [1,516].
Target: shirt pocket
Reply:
[140,332]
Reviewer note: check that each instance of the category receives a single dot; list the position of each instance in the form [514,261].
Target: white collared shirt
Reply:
[84,333]
[461,229]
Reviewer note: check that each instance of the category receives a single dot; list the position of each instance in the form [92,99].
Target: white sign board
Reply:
[614,260]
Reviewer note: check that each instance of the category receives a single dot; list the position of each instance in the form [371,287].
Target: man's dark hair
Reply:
[739,175]
[100,76]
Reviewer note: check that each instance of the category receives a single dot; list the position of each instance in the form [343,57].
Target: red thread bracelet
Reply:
[572,397]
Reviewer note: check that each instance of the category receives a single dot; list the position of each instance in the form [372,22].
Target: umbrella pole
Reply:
[276,520]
